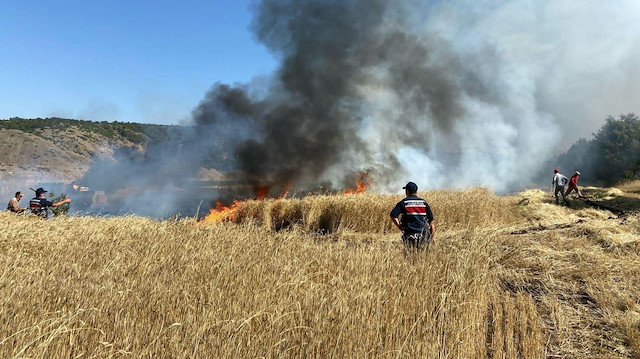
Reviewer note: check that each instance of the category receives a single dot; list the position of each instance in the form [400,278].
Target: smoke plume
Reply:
[445,93]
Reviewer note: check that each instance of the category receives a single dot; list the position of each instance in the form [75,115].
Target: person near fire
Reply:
[573,185]
[558,182]
[39,205]
[14,204]
[416,221]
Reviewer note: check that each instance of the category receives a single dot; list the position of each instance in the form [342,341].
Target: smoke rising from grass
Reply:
[447,94]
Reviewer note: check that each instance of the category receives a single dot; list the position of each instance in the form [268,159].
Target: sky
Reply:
[462,92]
[129,61]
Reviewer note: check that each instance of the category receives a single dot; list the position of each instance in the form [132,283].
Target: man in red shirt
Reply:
[573,185]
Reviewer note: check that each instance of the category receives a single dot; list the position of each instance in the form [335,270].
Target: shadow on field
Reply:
[618,204]
[623,203]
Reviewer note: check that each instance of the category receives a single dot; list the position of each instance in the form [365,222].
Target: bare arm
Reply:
[57,204]
[432,227]
[396,222]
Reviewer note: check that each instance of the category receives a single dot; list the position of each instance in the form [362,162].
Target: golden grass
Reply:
[510,277]
[629,186]
[370,212]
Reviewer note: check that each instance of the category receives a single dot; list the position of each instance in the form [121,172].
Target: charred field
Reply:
[326,276]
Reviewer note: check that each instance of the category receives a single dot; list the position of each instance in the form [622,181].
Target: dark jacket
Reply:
[416,214]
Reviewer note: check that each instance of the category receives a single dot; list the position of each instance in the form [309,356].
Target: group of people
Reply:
[38,205]
[560,181]
[412,215]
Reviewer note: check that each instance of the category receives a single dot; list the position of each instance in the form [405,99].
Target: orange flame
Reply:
[262,192]
[362,183]
[285,190]
[222,213]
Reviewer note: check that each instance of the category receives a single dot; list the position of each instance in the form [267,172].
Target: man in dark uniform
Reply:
[39,205]
[416,222]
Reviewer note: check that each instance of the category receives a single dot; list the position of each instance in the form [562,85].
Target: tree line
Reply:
[137,133]
[612,155]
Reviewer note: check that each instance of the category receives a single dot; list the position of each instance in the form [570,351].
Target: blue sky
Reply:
[120,60]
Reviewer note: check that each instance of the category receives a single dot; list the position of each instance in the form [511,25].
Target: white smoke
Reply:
[551,71]
[447,94]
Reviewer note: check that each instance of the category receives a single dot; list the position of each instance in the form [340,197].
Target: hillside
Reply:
[326,276]
[61,150]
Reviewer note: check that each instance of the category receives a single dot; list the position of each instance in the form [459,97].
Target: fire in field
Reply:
[223,212]
[326,276]
[299,169]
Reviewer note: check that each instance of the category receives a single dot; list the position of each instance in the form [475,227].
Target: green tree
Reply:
[60,210]
[611,155]
[617,146]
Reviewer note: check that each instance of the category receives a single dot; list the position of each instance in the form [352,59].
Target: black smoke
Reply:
[444,93]
[307,125]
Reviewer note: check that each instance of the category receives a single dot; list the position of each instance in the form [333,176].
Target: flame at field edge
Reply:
[222,213]
[363,182]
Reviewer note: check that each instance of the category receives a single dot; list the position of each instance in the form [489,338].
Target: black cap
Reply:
[412,187]
[40,191]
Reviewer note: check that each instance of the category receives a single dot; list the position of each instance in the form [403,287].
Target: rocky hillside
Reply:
[34,151]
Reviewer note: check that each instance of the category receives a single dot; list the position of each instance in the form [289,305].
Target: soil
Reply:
[50,156]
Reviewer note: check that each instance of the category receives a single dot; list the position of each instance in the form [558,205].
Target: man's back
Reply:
[39,206]
[559,180]
[416,213]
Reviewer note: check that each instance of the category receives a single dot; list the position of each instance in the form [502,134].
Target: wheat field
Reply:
[326,277]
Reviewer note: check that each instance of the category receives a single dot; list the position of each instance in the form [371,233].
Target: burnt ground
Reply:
[617,202]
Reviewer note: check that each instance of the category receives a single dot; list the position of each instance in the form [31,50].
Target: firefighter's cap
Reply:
[412,187]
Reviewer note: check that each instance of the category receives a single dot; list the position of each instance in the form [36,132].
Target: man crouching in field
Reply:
[416,223]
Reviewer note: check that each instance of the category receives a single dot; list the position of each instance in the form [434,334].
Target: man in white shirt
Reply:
[559,181]
[14,203]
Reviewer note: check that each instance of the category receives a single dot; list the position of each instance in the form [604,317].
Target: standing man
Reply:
[416,222]
[559,181]
[14,203]
[40,205]
[573,185]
